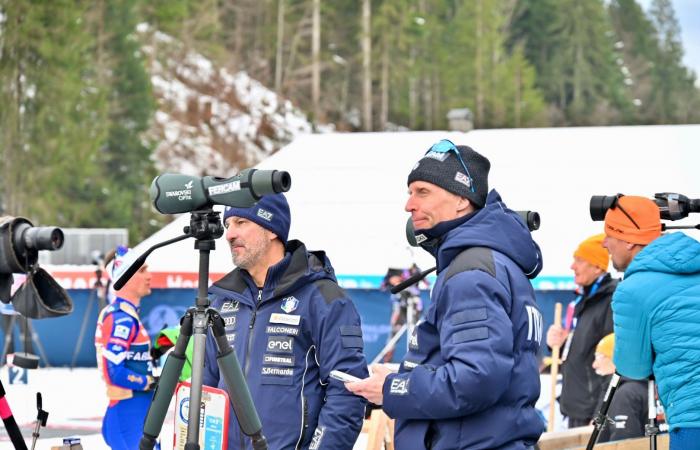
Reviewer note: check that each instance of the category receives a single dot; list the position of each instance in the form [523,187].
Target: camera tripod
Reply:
[411,319]
[98,291]
[26,335]
[651,429]
[205,226]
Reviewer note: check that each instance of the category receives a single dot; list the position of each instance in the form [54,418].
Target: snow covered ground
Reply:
[75,400]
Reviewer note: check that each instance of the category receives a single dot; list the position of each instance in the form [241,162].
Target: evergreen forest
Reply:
[76,97]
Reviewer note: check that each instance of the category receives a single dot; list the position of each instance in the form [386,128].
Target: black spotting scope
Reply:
[177,193]
[672,206]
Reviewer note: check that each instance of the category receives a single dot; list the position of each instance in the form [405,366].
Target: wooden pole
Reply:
[554,372]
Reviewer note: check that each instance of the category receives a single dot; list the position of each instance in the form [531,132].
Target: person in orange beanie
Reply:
[656,310]
[588,319]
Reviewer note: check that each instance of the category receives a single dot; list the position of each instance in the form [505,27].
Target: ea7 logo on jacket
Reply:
[280,344]
[399,386]
[534,324]
[317,438]
[289,304]
[230,307]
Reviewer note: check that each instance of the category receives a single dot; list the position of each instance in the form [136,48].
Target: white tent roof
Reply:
[348,190]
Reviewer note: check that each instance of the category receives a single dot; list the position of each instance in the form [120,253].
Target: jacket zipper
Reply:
[250,333]
[248,345]
[304,421]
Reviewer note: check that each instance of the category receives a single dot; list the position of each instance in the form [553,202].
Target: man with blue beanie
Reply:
[470,378]
[290,325]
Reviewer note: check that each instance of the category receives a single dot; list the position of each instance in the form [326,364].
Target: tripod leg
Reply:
[10,424]
[37,342]
[200,327]
[241,399]
[9,323]
[601,419]
[166,386]
[651,428]
[390,345]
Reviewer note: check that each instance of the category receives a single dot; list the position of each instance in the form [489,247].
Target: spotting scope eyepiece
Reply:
[176,193]
[672,206]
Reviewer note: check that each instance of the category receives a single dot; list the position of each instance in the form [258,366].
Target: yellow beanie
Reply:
[592,250]
[606,345]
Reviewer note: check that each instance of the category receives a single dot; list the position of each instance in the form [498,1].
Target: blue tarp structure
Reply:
[163,308]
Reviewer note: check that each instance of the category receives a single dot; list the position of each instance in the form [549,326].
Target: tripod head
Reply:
[205,226]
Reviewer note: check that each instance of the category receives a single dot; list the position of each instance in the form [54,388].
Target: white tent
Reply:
[348,191]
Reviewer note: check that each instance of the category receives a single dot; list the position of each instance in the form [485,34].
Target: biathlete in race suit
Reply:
[123,358]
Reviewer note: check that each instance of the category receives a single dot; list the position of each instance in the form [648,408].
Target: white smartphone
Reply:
[342,376]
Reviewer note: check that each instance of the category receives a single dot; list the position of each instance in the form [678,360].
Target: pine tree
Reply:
[52,99]
[674,96]
[126,157]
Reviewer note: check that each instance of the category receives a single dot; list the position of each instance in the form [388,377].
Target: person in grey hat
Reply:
[290,325]
[470,378]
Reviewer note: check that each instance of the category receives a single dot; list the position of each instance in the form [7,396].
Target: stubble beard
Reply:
[252,254]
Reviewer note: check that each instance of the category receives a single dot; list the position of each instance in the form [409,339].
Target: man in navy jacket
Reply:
[470,378]
[290,325]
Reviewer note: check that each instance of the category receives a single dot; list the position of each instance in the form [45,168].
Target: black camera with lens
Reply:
[40,296]
[672,206]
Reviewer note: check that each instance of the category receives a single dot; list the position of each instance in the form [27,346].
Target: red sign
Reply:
[79,279]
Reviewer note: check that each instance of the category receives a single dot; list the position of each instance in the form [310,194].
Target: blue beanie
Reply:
[271,212]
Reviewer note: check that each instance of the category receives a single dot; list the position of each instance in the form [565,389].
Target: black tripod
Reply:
[98,292]
[652,429]
[205,226]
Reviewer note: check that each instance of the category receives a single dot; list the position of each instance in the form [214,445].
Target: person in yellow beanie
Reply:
[628,409]
[588,319]
[656,310]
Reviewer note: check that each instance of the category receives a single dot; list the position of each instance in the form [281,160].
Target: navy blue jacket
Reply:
[471,379]
[288,337]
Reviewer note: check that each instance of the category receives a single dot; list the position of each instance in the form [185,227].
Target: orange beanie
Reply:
[606,345]
[592,251]
[644,212]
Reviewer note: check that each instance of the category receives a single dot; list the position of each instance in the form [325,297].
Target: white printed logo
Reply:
[289,304]
[280,344]
[534,324]
[230,321]
[462,178]
[413,342]
[399,386]
[440,156]
[317,438]
[230,307]
[420,238]
[225,188]
[267,215]
[279,371]
[121,331]
[189,184]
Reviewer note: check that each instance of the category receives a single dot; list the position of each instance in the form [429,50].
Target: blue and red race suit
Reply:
[123,357]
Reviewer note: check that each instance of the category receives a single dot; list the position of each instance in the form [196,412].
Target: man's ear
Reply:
[270,235]
[463,205]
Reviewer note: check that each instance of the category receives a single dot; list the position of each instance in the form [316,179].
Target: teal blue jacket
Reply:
[656,312]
